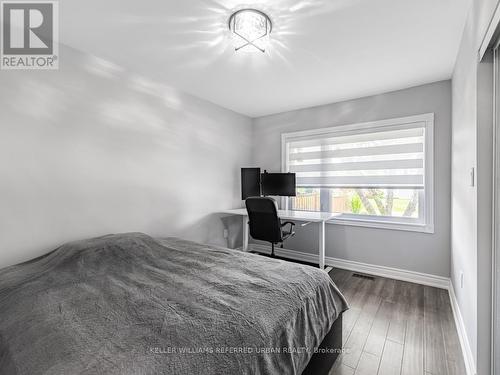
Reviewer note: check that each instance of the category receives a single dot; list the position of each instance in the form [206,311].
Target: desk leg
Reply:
[245,233]
[322,245]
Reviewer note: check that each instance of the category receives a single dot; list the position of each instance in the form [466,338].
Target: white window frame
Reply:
[425,223]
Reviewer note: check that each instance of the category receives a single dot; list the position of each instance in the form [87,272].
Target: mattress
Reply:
[133,304]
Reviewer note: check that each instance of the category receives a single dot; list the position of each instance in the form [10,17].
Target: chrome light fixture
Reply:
[250,30]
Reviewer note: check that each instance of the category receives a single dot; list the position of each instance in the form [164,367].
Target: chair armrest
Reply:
[290,231]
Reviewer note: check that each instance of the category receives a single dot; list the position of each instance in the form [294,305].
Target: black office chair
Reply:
[264,222]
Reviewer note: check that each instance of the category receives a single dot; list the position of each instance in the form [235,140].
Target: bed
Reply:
[133,304]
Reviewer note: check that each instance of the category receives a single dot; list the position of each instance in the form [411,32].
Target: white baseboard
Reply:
[470,366]
[391,273]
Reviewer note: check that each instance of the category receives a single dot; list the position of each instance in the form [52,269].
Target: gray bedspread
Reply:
[133,304]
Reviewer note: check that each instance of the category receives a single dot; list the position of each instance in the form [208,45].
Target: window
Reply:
[377,174]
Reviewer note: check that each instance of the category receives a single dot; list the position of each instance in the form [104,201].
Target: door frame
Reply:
[495,263]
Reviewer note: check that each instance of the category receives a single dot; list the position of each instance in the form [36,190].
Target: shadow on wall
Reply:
[93,149]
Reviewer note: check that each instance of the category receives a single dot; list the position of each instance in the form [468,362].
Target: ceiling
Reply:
[321,51]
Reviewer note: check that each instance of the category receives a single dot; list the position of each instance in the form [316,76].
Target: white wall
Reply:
[421,252]
[463,233]
[92,149]
[471,215]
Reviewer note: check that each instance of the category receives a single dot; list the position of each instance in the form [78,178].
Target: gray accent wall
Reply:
[92,149]
[419,252]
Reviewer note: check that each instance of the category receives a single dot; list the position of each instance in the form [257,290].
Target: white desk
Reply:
[304,216]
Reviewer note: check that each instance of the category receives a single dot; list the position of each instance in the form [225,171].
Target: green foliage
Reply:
[356,204]
[376,194]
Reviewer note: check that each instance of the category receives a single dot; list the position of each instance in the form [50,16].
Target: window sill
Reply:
[382,224]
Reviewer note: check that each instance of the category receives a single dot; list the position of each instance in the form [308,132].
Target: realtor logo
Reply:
[30,37]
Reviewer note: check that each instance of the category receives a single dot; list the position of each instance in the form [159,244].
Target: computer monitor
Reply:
[281,184]
[250,182]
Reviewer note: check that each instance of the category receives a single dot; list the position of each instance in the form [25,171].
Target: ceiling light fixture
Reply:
[250,29]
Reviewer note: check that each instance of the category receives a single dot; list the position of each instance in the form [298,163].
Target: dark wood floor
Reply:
[395,327]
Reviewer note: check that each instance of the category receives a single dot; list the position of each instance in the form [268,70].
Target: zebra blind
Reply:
[384,157]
